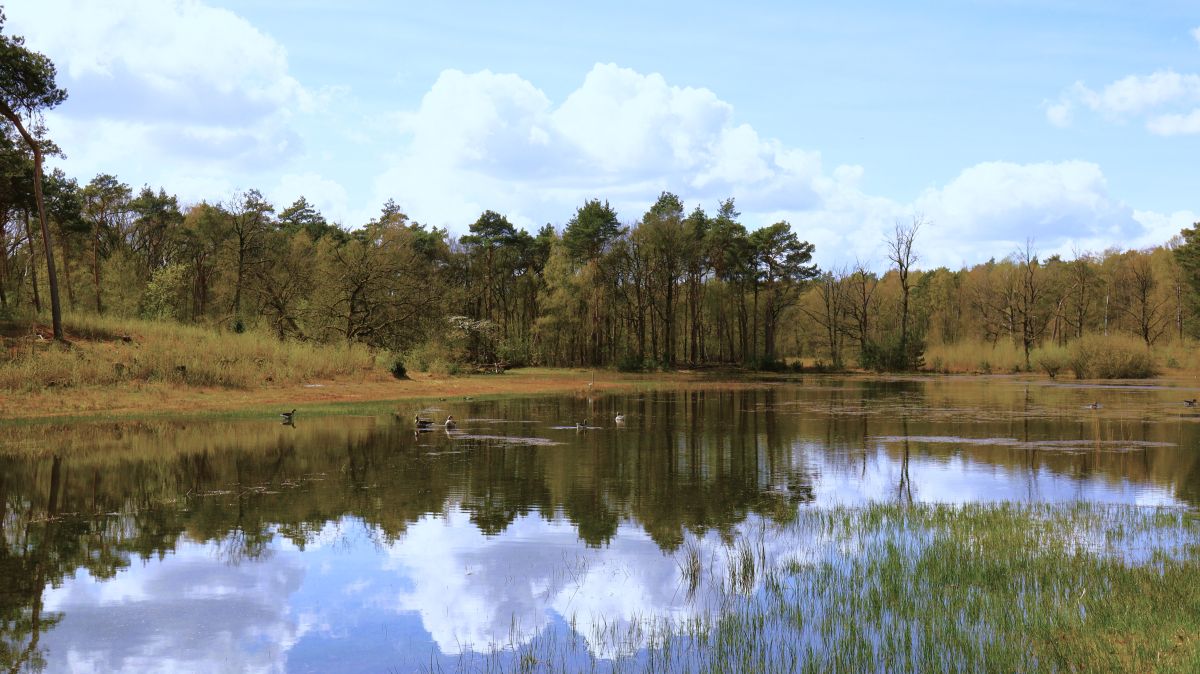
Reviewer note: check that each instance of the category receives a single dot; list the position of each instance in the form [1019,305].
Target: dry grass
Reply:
[104,351]
[975,356]
[1091,357]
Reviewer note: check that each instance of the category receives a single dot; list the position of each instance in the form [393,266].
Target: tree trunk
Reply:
[96,264]
[62,245]
[51,275]
[3,273]
[37,298]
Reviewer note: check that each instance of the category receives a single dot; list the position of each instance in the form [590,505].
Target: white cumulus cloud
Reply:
[1168,101]
[174,92]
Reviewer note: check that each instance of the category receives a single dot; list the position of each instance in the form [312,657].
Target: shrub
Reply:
[397,369]
[770,365]
[1111,357]
[891,356]
[630,363]
[1050,359]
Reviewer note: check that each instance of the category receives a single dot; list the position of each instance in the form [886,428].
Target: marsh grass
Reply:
[981,357]
[926,588]
[98,353]
[1089,357]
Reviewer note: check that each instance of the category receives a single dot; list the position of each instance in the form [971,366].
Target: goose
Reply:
[1094,406]
[288,416]
[581,425]
[421,423]
[620,419]
[450,424]
[1190,403]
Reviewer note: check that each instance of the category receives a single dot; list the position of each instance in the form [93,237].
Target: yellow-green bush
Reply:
[1110,357]
[1050,359]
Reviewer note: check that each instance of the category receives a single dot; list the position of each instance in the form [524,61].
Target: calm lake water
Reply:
[353,543]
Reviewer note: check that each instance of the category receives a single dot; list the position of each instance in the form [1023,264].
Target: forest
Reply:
[675,286]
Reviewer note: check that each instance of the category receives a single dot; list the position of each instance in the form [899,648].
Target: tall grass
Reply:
[975,356]
[1089,357]
[105,350]
[926,588]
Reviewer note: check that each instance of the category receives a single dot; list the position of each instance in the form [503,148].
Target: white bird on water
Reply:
[450,423]
[620,419]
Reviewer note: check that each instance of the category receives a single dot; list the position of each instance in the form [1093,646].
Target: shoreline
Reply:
[138,400]
[155,400]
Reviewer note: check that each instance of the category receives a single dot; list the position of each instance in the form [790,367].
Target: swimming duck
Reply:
[620,419]
[1190,403]
[1094,406]
[421,423]
[581,425]
[450,424]
[288,416]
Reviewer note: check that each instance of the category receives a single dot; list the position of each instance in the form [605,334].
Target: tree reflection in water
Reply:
[686,463]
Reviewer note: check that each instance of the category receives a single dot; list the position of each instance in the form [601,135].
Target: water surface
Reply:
[355,543]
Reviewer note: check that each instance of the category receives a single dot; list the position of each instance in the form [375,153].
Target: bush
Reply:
[630,363]
[1111,357]
[891,356]
[397,369]
[765,364]
[1050,359]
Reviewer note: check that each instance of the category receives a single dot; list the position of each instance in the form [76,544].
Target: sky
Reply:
[1072,125]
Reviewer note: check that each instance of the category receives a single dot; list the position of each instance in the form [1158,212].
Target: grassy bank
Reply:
[131,368]
[106,351]
[927,588]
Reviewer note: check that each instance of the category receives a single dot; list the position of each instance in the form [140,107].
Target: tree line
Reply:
[673,287]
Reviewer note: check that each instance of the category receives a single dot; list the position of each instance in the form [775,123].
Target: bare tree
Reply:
[1027,311]
[860,302]
[901,254]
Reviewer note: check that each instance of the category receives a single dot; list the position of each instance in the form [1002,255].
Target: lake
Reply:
[355,543]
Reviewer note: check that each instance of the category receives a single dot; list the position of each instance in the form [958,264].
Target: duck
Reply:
[450,423]
[581,425]
[1190,403]
[620,419]
[1094,406]
[288,416]
[421,423]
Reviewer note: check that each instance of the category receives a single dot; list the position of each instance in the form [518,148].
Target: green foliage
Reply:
[397,369]
[1111,357]
[164,298]
[630,362]
[893,355]
[591,230]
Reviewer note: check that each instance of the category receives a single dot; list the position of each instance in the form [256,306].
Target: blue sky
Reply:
[1075,124]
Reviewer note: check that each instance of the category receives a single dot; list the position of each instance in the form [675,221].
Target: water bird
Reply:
[450,422]
[620,419]
[288,416]
[1094,406]
[421,423]
[1190,403]
[581,425]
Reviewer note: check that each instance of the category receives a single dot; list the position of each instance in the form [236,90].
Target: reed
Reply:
[927,588]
